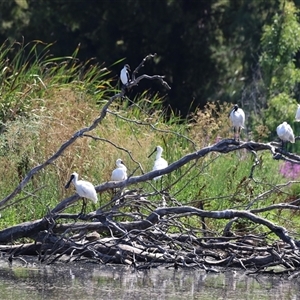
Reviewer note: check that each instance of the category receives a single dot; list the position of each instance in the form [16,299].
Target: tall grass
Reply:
[46,99]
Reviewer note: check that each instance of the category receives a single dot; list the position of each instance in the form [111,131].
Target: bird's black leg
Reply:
[83,208]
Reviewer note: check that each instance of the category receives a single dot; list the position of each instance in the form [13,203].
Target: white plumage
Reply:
[297,117]
[237,118]
[120,173]
[159,163]
[124,75]
[285,132]
[84,189]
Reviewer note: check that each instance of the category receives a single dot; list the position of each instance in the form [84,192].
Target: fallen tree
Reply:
[149,241]
[133,230]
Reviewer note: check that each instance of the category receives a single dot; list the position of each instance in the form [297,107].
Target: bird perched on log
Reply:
[285,133]
[124,75]
[297,117]
[84,189]
[237,118]
[159,163]
[120,173]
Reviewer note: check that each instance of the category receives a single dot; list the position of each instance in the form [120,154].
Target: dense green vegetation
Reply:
[208,50]
[47,99]
[227,51]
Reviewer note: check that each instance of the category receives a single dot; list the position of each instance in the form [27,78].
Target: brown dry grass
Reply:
[211,124]
[63,113]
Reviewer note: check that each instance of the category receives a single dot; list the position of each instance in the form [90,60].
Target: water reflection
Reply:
[91,281]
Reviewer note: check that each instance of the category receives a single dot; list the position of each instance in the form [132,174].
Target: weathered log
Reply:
[26,229]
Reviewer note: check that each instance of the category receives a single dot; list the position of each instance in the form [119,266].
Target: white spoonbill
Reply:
[285,133]
[159,163]
[237,118]
[120,173]
[124,75]
[297,117]
[84,189]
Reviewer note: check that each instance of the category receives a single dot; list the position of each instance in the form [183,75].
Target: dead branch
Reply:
[30,228]
[141,123]
[146,240]
[223,146]
[132,230]
[148,243]
[81,132]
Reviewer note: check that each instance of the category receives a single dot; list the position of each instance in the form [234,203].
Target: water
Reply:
[92,281]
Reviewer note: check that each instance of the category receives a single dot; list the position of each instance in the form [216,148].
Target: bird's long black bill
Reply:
[230,112]
[68,183]
[152,152]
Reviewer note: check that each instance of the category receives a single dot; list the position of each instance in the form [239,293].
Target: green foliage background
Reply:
[213,53]
[207,49]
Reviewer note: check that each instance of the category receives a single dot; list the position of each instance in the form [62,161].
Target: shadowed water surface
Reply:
[91,281]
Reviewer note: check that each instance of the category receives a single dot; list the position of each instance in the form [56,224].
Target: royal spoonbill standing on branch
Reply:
[120,173]
[159,163]
[84,189]
[297,117]
[237,118]
[124,75]
[285,133]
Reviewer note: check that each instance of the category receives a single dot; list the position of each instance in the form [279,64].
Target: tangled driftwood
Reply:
[133,230]
[121,232]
